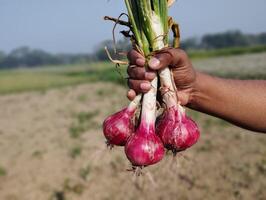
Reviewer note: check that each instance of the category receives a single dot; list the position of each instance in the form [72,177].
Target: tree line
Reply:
[224,40]
[26,57]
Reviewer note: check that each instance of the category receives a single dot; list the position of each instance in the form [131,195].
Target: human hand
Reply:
[176,59]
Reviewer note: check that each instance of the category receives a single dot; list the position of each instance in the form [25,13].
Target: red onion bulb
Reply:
[118,127]
[176,130]
[144,147]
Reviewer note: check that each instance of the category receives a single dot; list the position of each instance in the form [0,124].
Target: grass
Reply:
[70,186]
[19,81]
[82,98]
[82,122]
[75,152]
[226,51]
[231,158]
[84,117]
[3,171]
[84,172]
[37,154]
[261,167]
[76,131]
[43,78]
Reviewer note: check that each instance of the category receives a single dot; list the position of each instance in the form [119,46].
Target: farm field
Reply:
[247,66]
[52,147]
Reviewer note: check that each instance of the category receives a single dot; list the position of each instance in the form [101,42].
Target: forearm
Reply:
[242,103]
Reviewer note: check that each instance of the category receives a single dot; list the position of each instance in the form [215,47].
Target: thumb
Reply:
[168,57]
[160,60]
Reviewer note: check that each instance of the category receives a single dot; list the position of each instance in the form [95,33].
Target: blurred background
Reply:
[57,86]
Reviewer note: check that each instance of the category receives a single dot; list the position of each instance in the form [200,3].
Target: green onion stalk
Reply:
[149,27]
[149,24]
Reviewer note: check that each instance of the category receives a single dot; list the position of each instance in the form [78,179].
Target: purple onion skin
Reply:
[144,148]
[176,130]
[118,127]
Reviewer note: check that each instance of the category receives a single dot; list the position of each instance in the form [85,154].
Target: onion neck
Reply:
[148,112]
[168,89]
[181,112]
[134,104]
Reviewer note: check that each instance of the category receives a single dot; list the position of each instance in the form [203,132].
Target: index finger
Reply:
[135,58]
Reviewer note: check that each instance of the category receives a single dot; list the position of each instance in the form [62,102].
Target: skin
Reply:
[241,102]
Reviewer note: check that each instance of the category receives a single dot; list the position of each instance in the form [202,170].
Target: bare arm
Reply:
[241,102]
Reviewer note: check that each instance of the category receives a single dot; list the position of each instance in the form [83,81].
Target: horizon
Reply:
[77,26]
[110,39]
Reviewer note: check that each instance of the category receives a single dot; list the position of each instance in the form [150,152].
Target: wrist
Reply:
[204,92]
[195,91]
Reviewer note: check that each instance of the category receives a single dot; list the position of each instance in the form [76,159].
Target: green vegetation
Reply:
[3,171]
[43,78]
[261,167]
[84,172]
[75,152]
[82,98]
[37,154]
[94,169]
[84,117]
[83,121]
[226,51]
[76,131]
[26,57]
[71,186]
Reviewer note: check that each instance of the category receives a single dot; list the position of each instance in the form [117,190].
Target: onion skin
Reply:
[118,127]
[144,148]
[176,130]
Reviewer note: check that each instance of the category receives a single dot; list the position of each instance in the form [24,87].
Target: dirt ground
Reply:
[52,148]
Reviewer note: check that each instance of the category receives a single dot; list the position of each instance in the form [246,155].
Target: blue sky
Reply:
[74,26]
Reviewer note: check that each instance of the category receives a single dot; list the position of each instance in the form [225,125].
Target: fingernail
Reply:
[140,62]
[149,75]
[154,63]
[145,86]
[130,94]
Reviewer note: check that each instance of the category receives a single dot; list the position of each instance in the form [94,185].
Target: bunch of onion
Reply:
[144,141]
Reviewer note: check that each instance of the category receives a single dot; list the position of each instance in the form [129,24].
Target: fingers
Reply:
[139,78]
[139,73]
[168,58]
[135,58]
[139,86]
[131,94]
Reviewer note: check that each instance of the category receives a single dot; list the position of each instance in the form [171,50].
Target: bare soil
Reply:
[52,148]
